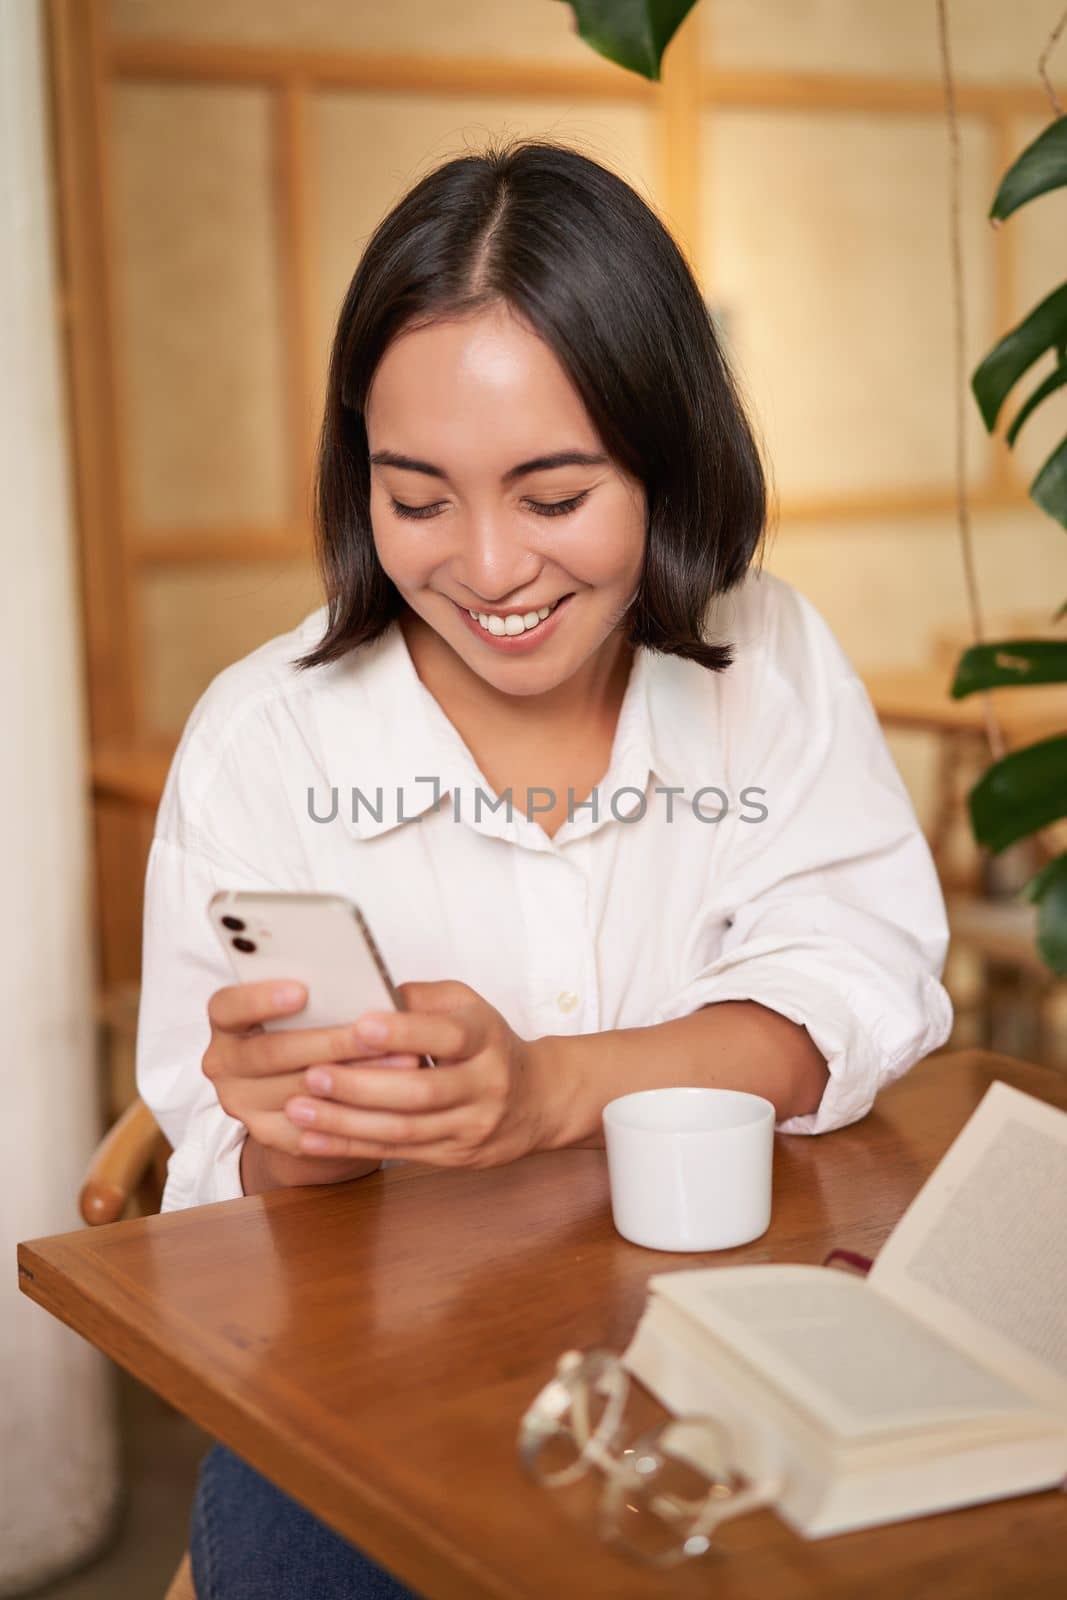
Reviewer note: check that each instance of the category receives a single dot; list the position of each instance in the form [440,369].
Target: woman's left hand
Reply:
[479,1108]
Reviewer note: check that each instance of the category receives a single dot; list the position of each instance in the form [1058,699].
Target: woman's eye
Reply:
[553,508]
[558,508]
[415,511]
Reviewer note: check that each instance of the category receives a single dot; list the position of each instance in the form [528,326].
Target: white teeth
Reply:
[516,623]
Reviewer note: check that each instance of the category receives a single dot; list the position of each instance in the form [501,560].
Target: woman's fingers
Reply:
[367,1133]
[240,1043]
[266,1054]
[368,1106]
[378,1087]
[275,1131]
[453,1034]
[443,994]
[249,1099]
[240,1006]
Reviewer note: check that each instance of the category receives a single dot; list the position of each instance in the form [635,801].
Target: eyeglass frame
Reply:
[541,1422]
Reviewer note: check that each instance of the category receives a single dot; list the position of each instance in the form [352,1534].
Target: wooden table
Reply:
[371,1347]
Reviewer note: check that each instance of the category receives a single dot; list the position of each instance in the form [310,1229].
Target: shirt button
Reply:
[566,1001]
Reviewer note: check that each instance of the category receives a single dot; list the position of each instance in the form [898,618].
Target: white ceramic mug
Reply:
[690,1169]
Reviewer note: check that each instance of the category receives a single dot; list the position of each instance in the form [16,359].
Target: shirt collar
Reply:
[666,727]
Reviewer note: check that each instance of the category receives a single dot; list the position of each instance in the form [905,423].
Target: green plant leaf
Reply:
[1041,167]
[632,33]
[1044,329]
[1049,890]
[1062,612]
[1055,380]
[1020,793]
[1049,488]
[1007,662]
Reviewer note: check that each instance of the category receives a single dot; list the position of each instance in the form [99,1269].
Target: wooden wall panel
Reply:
[526,30]
[199,618]
[839,307]
[865,579]
[200,306]
[992,40]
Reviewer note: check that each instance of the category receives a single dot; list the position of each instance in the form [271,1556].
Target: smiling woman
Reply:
[539,509]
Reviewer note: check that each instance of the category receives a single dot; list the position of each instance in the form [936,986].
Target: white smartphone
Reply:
[322,940]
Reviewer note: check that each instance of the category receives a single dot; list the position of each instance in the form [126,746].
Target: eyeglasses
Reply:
[666,1492]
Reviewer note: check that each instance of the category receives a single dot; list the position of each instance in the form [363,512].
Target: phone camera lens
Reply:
[243,944]
[234,924]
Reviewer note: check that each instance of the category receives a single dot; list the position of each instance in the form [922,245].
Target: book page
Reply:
[980,1255]
[855,1361]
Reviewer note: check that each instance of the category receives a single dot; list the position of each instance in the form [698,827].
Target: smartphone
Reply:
[322,940]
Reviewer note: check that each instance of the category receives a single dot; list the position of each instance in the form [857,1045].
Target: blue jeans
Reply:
[249,1541]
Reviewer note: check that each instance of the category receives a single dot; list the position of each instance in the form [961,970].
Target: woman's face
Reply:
[491,492]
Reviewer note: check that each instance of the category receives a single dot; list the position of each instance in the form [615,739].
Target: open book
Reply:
[938,1380]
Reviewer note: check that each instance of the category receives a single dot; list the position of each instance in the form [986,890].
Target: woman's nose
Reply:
[493,563]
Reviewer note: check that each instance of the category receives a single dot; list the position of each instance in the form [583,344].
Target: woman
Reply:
[613,801]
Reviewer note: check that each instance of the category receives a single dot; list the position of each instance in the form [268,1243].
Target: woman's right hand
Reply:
[255,1071]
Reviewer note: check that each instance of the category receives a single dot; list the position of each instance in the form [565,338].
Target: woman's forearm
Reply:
[263,1169]
[735,1044]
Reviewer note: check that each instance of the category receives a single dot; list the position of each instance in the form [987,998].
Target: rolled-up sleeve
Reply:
[220,825]
[181,967]
[834,915]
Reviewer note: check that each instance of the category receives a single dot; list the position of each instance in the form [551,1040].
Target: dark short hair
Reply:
[585,261]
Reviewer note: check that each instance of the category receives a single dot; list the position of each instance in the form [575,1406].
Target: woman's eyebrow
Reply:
[559,458]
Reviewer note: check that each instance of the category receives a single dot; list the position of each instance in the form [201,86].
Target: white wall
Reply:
[58,1469]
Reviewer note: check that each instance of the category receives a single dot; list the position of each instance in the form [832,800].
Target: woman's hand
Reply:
[480,1108]
[256,1071]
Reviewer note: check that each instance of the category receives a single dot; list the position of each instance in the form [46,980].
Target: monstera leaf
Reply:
[632,33]
[1022,792]
[1009,662]
[1049,891]
[1026,790]
[1044,329]
[1040,168]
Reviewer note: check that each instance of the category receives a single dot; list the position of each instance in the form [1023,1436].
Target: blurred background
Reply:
[208,173]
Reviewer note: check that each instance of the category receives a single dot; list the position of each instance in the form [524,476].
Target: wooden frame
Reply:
[87,304]
[688,89]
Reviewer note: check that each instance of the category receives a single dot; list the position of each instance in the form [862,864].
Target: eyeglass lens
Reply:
[665,1500]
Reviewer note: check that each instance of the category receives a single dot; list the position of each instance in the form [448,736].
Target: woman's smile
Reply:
[520,631]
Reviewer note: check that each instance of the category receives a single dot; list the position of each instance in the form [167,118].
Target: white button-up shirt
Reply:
[752,839]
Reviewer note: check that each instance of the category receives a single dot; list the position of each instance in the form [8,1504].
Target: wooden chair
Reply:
[1002,935]
[985,918]
[129,1164]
